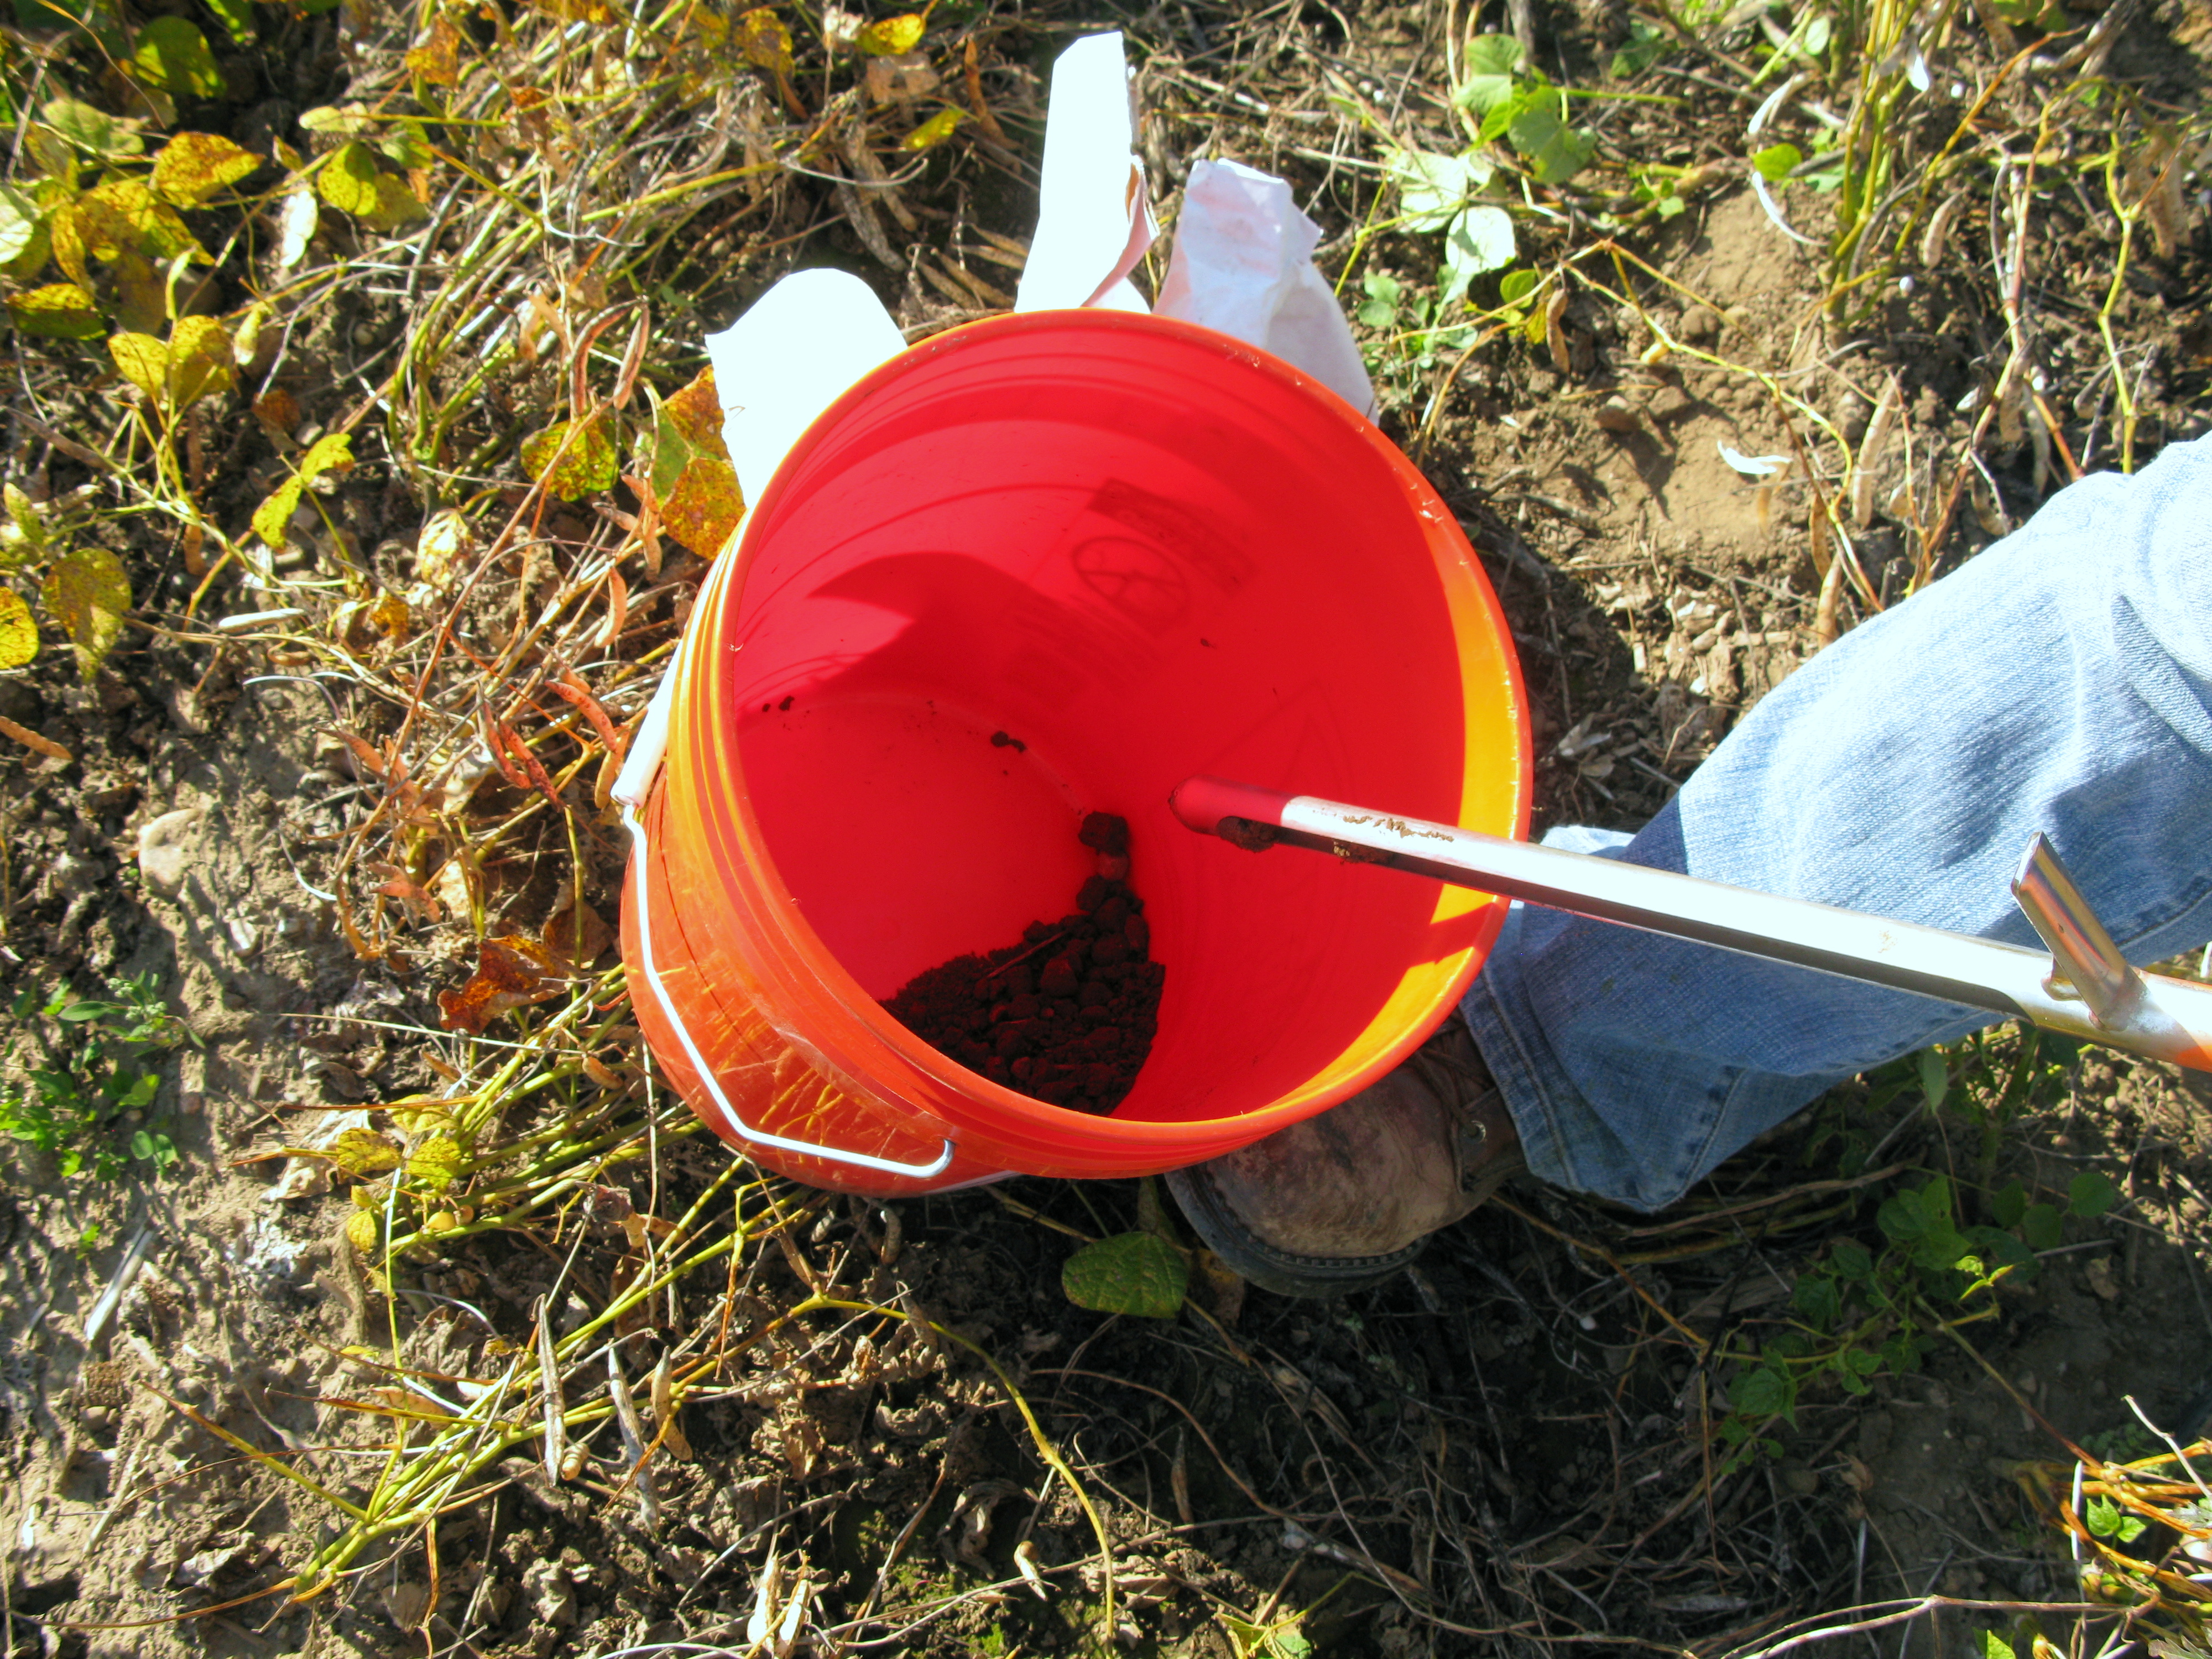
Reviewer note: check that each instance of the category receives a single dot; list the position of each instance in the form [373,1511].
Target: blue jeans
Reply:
[2060,681]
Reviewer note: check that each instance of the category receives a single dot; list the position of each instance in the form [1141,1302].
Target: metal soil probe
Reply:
[2084,988]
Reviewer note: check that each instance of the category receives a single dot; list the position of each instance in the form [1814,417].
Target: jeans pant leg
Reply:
[2060,681]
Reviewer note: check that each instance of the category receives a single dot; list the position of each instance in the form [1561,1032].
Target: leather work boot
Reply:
[1345,1199]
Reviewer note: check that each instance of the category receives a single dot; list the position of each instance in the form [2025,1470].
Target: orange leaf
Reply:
[571,689]
[511,972]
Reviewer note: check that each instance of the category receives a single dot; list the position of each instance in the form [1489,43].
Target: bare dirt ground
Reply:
[318,762]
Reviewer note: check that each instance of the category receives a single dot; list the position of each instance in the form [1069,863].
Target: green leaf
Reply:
[1647,43]
[1994,1646]
[1763,1392]
[141,1145]
[1380,309]
[1488,82]
[59,311]
[1901,1219]
[1130,1273]
[2007,1204]
[1816,1299]
[1935,1073]
[2040,1227]
[2091,1194]
[1480,241]
[88,593]
[1433,187]
[236,17]
[1555,151]
[94,129]
[1853,1259]
[172,56]
[1777,162]
[2107,1519]
[19,633]
[193,166]
[22,220]
[572,467]
[1514,286]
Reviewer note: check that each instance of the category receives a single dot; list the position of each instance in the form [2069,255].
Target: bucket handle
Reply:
[706,1073]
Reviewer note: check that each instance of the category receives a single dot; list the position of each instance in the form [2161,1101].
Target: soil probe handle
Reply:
[2084,989]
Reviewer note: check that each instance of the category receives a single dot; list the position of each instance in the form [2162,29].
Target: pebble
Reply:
[162,848]
[1668,403]
[1700,323]
[1615,416]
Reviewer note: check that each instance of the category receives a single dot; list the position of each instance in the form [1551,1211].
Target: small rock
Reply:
[1615,416]
[1700,323]
[404,1604]
[163,844]
[2098,1273]
[1668,404]
[1801,1481]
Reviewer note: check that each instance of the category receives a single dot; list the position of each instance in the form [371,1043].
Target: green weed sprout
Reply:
[98,1063]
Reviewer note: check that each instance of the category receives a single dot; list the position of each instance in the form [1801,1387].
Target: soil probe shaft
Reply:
[2084,988]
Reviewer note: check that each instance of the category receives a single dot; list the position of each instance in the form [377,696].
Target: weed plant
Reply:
[96,1075]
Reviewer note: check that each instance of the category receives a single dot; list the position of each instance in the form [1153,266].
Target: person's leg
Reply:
[2061,681]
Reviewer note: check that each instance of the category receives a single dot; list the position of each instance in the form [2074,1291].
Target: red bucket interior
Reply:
[1135,551]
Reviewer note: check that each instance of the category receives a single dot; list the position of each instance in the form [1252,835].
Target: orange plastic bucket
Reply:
[1144,550]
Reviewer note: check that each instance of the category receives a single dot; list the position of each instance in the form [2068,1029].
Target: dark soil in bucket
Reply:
[1066,1014]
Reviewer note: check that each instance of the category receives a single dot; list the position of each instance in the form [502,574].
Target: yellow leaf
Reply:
[365,1152]
[705,507]
[331,453]
[361,1231]
[764,40]
[352,182]
[571,460]
[193,166]
[437,57]
[88,592]
[23,537]
[933,131]
[437,1161]
[892,37]
[19,635]
[144,360]
[199,359]
[141,294]
[59,311]
[348,180]
[125,213]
